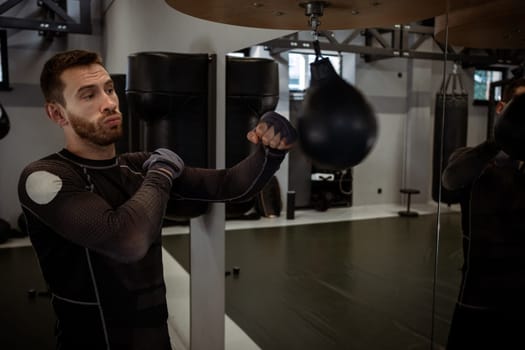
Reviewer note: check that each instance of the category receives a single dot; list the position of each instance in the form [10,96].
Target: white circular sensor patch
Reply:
[42,186]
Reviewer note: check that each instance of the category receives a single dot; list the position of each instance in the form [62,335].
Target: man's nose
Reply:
[110,102]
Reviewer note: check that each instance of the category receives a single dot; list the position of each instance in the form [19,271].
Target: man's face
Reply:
[91,104]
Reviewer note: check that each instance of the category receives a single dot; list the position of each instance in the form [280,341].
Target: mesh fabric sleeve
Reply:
[466,163]
[236,184]
[58,196]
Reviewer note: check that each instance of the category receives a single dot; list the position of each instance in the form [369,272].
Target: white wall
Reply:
[418,147]
[136,25]
[384,83]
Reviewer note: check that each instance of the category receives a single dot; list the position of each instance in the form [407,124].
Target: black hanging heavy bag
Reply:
[168,93]
[450,133]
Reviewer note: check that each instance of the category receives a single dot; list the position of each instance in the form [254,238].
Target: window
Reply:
[482,81]
[299,69]
[296,72]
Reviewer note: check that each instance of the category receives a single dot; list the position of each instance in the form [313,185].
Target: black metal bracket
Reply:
[314,10]
[55,19]
[398,41]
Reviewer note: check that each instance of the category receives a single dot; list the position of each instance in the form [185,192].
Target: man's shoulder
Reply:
[52,163]
[41,180]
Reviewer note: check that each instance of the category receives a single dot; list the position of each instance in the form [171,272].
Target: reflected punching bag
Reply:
[453,125]
[509,130]
[168,93]
[5,125]
[337,126]
[252,88]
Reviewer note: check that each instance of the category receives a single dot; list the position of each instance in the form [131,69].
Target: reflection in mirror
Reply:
[354,265]
[348,271]
[487,178]
[480,262]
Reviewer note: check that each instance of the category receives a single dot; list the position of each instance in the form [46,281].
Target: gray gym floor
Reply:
[361,284]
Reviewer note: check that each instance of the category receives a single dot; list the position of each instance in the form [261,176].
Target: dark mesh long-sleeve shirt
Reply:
[95,226]
[493,223]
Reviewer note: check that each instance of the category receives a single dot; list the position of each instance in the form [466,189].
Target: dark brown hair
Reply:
[50,83]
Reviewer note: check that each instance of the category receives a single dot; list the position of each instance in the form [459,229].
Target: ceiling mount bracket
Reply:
[314,10]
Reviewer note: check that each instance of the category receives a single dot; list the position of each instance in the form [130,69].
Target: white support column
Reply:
[207,232]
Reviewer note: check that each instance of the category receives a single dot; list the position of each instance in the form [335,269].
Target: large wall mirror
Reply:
[374,256]
[355,268]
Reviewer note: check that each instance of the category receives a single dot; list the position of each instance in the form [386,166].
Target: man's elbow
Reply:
[450,181]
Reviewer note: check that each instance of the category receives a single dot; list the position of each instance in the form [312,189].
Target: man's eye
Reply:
[88,97]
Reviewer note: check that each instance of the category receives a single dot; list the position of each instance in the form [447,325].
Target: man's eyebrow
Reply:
[85,87]
[92,86]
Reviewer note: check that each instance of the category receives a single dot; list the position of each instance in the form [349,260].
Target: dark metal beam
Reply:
[57,10]
[330,36]
[396,37]
[420,40]
[44,25]
[85,14]
[48,24]
[466,57]
[303,44]
[379,38]
[351,37]
[8,5]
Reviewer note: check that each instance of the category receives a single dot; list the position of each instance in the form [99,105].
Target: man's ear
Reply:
[56,113]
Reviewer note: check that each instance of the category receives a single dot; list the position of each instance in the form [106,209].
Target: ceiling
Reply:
[492,24]
[471,23]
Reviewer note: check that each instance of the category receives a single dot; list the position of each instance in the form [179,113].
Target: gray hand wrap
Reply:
[280,125]
[165,159]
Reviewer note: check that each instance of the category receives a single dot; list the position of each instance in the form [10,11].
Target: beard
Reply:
[96,132]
